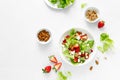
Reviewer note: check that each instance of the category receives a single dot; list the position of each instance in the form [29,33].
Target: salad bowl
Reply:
[77,47]
[55,6]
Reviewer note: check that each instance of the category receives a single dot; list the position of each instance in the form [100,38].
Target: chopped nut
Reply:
[43,35]
[96,61]
[91,68]
[91,15]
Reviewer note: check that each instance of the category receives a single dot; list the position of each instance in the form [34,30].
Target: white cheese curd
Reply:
[72,52]
[78,60]
[78,37]
[79,53]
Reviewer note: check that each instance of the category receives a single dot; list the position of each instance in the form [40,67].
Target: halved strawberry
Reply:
[75,59]
[79,33]
[64,41]
[68,36]
[47,69]
[76,48]
[82,55]
[84,37]
[57,66]
[91,50]
[53,59]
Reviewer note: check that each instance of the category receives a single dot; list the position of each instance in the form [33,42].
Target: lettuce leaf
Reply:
[106,41]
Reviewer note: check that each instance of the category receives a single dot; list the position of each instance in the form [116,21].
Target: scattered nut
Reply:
[91,68]
[96,61]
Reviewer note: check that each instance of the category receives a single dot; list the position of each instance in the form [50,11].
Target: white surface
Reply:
[21,57]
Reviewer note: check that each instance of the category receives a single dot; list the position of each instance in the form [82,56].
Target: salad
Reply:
[77,47]
[61,3]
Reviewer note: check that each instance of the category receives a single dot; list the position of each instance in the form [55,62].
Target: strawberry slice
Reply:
[57,66]
[91,50]
[68,36]
[53,59]
[76,48]
[84,37]
[79,33]
[82,55]
[75,59]
[47,69]
[64,41]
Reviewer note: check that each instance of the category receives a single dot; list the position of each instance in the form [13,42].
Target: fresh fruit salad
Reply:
[77,47]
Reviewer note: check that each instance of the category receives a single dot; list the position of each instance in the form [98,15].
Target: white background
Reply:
[22,58]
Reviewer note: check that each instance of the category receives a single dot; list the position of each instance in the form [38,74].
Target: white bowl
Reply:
[42,42]
[92,8]
[92,55]
[54,5]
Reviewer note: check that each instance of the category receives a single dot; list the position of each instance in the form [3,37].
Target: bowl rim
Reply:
[42,42]
[98,13]
[64,58]
[55,7]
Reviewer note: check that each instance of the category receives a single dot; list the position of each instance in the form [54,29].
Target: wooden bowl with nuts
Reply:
[91,14]
[44,36]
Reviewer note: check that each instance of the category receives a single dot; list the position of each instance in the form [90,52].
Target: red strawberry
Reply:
[75,59]
[79,33]
[82,55]
[76,48]
[91,50]
[47,69]
[67,36]
[101,24]
[53,59]
[57,66]
[84,37]
[64,41]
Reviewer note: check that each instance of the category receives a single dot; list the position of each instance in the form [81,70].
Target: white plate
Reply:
[54,5]
[92,55]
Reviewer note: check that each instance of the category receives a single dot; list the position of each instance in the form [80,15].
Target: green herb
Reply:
[106,41]
[62,76]
[83,5]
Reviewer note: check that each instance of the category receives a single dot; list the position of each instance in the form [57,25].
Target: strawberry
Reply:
[57,66]
[84,37]
[47,69]
[53,59]
[79,33]
[91,50]
[64,41]
[75,59]
[76,48]
[101,24]
[68,36]
[82,55]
